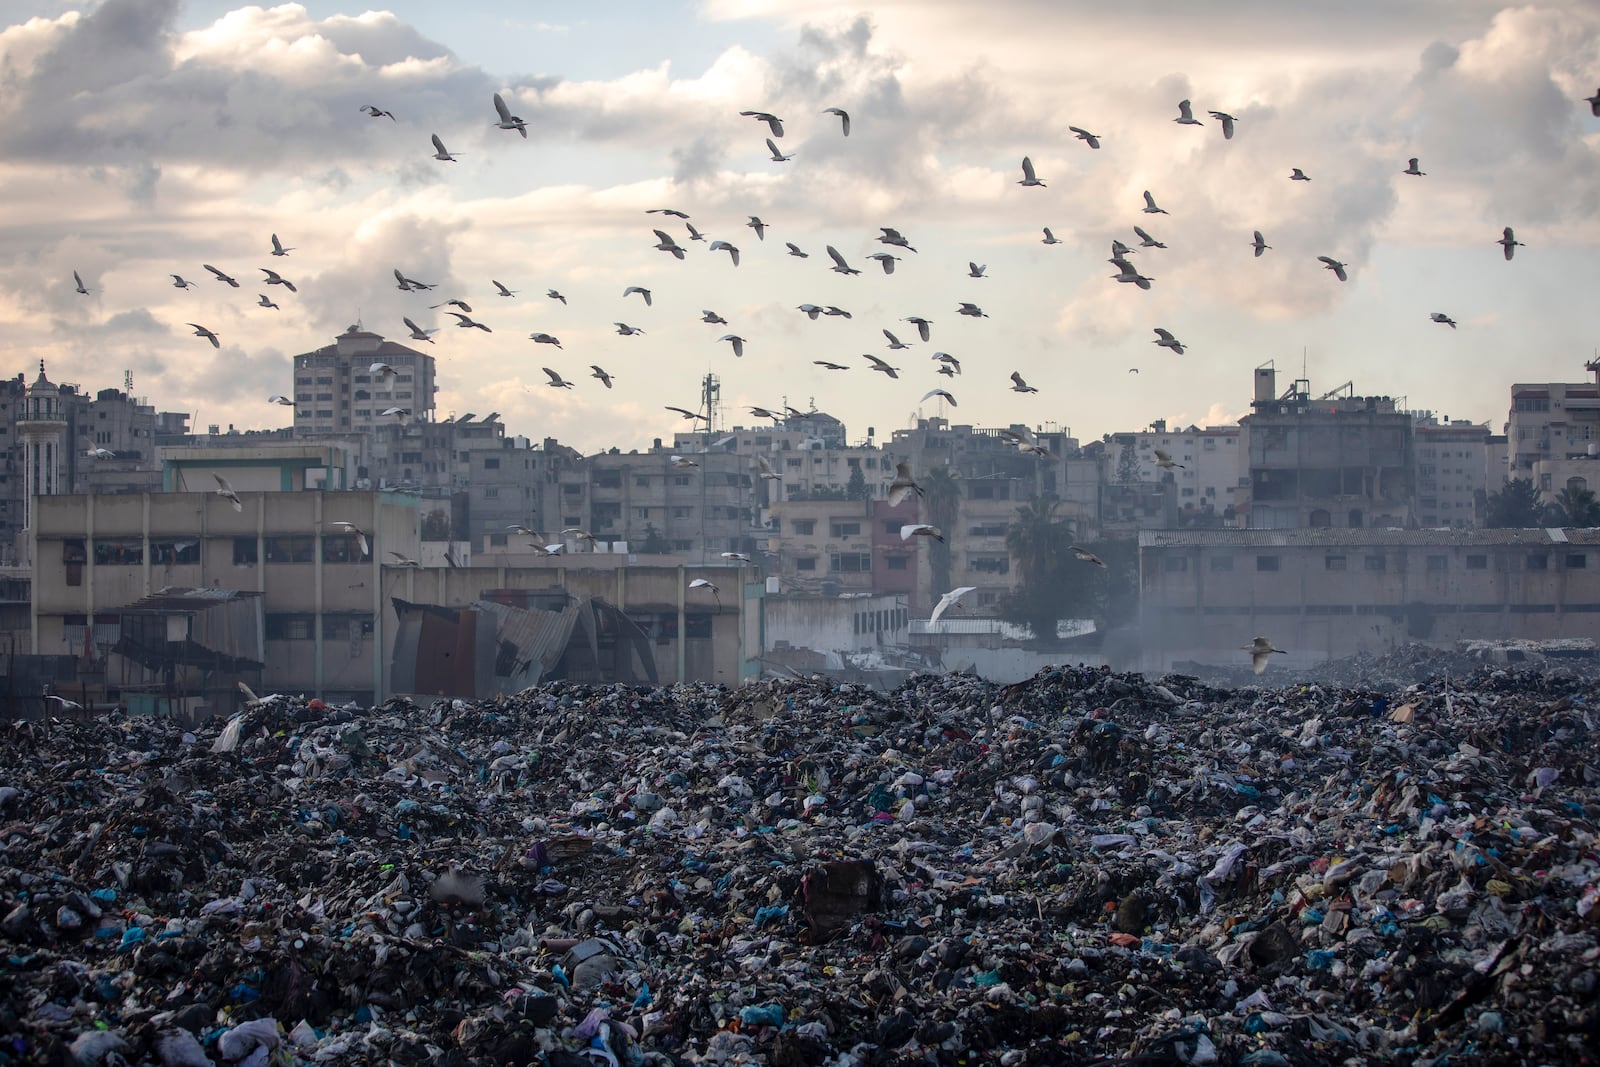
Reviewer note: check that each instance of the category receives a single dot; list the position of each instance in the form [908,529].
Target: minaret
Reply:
[41,425]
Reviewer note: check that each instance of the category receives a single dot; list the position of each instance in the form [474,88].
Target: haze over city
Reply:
[143,139]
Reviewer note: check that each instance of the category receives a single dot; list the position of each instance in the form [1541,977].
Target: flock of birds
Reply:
[893,242]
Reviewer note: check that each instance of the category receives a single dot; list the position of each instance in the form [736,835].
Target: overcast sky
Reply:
[144,138]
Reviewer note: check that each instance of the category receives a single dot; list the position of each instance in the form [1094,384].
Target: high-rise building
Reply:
[336,390]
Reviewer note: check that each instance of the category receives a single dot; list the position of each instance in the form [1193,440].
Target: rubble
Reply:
[1085,867]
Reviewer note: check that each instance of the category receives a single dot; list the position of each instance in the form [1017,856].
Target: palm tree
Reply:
[942,495]
[1040,543]
[1575,506]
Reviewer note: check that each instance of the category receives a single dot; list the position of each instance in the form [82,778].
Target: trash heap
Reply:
[1084,867]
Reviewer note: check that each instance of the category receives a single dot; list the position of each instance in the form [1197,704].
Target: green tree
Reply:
[1053,583]
[1514,506]
[1574,507]
[436,525]
[654,544]
[856,488]
[942,496]
[1127,464]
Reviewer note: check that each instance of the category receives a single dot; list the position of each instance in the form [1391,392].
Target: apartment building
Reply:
[703,504]
[336,391]
[1452,465]
[1552,421]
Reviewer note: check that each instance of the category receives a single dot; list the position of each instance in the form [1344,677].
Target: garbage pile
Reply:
[1085,867]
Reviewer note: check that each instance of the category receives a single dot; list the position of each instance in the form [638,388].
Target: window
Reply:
[997,529]
[1377,564]
[1222,563]
[73,556]
[1175,565]
[845,529]
[1538,561]
[1477,563]
[1266,563]
[292,549]
[244,552]
[118,552]
[341,548]
[805,563]
[989,564]
[680,513]
[166,553]
[283,626]
[641,513]
[1333,563]
[1438,564]
[897,563]
[641,481]
[805,526]
[851,563]
[1576,561]
[343,627]
[492,463]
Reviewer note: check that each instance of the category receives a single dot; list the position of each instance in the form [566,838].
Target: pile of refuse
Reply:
[1084,867]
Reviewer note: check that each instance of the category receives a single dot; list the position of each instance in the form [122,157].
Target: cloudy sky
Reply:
[144,138]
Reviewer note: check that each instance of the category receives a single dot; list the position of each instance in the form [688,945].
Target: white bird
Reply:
[844,117]
[180,282]
[686,413]
[949,361]
[201,331]
[682,461]
[829,364]
[221,277]
[1028,177]
[885,260]
[556,381]
[920,323]
[1298,175]
[1165,462]
[948,601]
[1090,139]
[467,323]
[1186,116]
[1126,273]
[736,341]
[892,236]
[545,339]
[553,295]
[942,394]
[724,246]
[735,557]
[417,332]
[1411,168]
[764,413]
[377,112]
[713,318]
[1087,556]
[895,344]
[702,583]
[1020,386]
[880,365]
[599,372]
[975,270]
[280,399]
[1261,651]
[665,243]
[402,560]
[277,247]
[582,535]
[1150,205]
[1119,249]
[1166,340]
[225,490]
[503,291]
[440,152]
[839,265]
[625,330]
[971,311]
[836,312]
[406,285]
[921,529]
[61,703]
[794,250]
[100,453]
[1509,242]
[1026,443]
[508,121]
[1594,103]
[1145,240]
[774,123]
[1227,121]
[1442,319]
[399,413]
[777,156]
[382,370]
[274,278]
[757,225]
[360,535]
[671,212]
[1260,244]
[462,304]
[903,485]
[694,234]
[78,285]
[1050,238]
[811,310]
[264,301]
[765,468]
[1335,266]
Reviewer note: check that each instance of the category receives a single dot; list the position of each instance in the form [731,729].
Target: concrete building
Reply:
[1552,421]
[1341,461]
[336,391]
[702,505]
[1211,476]
[1322,593]
[1451,475]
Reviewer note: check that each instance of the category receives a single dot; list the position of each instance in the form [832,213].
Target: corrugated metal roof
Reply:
[178,598]
[1331,538]
[539,636]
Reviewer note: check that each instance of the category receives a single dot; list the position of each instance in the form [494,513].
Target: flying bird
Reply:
[462,304]
[1028,177]
[1335,266]
[686,413]
[670,211]
[1227,121]
[735,557]
[1411,168]
[836,312]
[1442,319]
[556,381]
[703,583]
[502,290]
[643,292]
[407,285]
[180,282]
[280,399]
[724,246]
[1594,103]
[736,341]
[1166,340]
[262,300]
[682,461]
[402,560]
[1118,249]
[545,339]
[880,365]
[274,278]
[553,295]
[225,490]
[828,365]
[949,361]
[1087,556]
[665,243]
[599,372]
[508,121]
[417,332]
[1186,116]
[440,152]
[774,123]
[765,468]
[763,413]
[1126,273]
[811,310]
[100,453]
[221,277]
[625,330]
[1509,242]
[903,485]
[1090,139]
[942,394]
[694,234]
[895,344]
[844,117]
[839,265]
[277,247]
[921,324]
[1260,244]
[1165,462]
[1150,205]
[382,370]
[794,250]
[1026,443]
[201,331]
[892,236]
[1020,386]
[377,112]
[399,413]
[1261,651]
[713,318]
[466,323]
[1145,240]
[777,156]
[360,535]
[971,311]
[1298,175]
[975,270]
[757,225]
[921,529]
[885,260]
[1050,238]
[948,601]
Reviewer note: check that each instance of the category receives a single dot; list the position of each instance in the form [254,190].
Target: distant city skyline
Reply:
[149,138]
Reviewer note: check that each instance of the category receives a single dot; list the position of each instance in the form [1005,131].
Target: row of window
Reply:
[871,622]
[247,551]
[1533,561]
[301,626]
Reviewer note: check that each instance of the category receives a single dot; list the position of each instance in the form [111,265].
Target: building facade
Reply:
[337,392]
